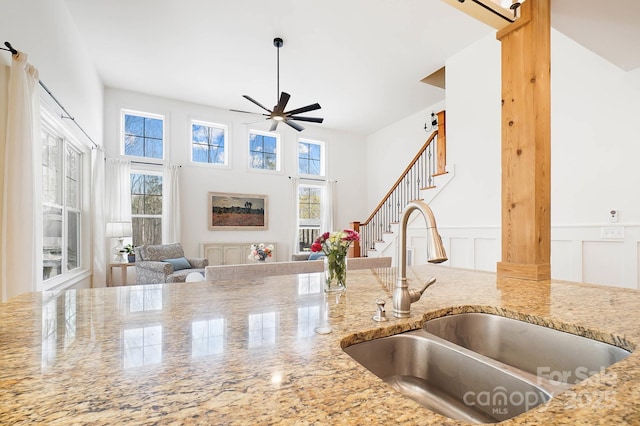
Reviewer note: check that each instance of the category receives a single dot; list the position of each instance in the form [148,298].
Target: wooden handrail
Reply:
[393,188]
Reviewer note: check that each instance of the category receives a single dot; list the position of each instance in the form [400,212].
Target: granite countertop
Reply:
[238,352]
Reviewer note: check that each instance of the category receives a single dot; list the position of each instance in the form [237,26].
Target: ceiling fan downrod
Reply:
[278,42]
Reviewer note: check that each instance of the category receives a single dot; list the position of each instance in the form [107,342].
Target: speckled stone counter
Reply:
[245,352]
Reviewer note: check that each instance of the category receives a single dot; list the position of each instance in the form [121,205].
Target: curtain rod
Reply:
[68,116]
[319,180]
[145,163]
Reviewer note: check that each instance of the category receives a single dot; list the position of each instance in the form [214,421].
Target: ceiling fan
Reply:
[278,114]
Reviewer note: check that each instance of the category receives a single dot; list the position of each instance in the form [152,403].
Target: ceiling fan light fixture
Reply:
[278,113]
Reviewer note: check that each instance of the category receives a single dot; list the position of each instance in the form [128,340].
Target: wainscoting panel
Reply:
[486,254]
[562,260]
[603,262]
[460,253]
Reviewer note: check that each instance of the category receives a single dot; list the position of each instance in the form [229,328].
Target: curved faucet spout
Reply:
[402,297]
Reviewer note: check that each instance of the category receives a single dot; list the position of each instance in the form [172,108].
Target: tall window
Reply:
[62,204]
[146,208]
[264,150]
[310,158]
[209,143]
[143,135]
[309,215]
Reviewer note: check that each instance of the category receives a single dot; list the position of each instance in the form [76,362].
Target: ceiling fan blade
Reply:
[249,98]
[282,103]
[274,126]
[307,108]
[249,112]
[309,119]
[294,125]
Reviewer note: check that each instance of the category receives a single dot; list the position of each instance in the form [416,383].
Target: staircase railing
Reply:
[430,161]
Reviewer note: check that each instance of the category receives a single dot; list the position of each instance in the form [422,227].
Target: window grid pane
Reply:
[73,178]
[309,202]
[52,241]
[51,169]
[263,152]
[208,144]
[73,240]
[143,136]
[309,158]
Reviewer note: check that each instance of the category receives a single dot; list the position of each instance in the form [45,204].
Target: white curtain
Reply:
[295,238]
[170,205]
[328,202]
[117,197]
[98,217]
[20,253]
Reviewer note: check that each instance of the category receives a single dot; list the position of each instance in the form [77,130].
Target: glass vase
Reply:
[335,273]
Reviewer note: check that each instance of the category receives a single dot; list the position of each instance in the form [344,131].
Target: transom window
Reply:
[309,215]
[264,150]
[310,158]
[146,208]
[209,143]
[143,135]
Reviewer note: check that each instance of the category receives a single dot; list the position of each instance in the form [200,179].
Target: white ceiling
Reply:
[362,60]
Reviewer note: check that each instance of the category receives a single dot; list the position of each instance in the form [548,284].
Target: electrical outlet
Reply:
[612,232]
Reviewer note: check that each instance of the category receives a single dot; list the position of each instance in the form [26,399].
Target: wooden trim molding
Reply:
[524,271]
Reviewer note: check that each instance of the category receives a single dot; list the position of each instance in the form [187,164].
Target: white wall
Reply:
[595,141]
[594,151]
[345,164]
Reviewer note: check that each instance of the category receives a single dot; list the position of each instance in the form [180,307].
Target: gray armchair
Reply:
[165,263]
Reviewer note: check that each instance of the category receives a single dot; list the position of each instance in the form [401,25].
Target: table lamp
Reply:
[119,230]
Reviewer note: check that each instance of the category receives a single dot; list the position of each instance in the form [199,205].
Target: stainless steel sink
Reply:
[448,379]
[483,368]
[542,351]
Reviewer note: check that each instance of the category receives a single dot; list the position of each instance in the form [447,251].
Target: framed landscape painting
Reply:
[237,211]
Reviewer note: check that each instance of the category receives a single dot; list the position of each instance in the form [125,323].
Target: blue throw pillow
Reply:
[179,263]
[316,255]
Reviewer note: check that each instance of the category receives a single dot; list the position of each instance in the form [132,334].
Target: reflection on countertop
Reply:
[238,351]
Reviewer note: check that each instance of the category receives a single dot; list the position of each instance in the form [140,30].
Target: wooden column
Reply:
[526,144]
[441,147]
[354,248]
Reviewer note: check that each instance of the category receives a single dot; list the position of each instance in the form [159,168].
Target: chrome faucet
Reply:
[402,296]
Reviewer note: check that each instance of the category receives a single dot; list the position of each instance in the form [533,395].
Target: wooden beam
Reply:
[354,248]
[526,144]
[441,144]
